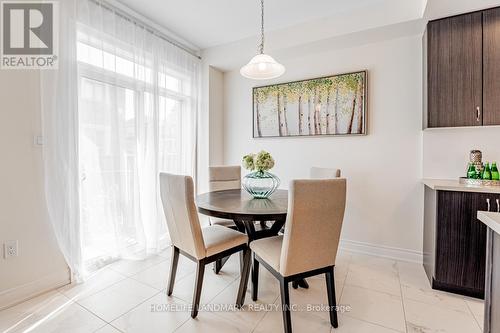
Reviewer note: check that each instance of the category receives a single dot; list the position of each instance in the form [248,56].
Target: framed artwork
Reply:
[330,105]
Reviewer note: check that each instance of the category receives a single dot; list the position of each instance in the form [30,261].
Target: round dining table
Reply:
[245,211]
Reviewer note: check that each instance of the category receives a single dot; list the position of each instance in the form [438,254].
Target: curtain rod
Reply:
[144,25]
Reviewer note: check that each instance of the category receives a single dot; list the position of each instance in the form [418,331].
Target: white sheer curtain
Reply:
[59,100]
[137,109]
[137,113]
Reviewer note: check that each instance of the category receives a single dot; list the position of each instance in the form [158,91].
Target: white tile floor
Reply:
[384,295]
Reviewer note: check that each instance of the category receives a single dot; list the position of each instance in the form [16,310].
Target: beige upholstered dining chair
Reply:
[324,173]
[224,178]
[202,245]
[310,242]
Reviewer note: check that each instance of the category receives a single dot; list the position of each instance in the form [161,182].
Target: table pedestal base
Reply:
[253,234]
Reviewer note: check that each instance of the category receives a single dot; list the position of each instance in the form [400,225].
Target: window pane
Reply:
[170,134]
[169,82]
[108,162]
[113,63]
[135,120]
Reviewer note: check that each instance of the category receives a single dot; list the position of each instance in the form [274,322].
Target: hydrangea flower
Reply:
[263,161]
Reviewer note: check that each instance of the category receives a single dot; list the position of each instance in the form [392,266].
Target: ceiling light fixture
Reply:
[262,66]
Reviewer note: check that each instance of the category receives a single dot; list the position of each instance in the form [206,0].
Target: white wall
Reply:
[383,168]
[23,216]
[216,121]
[210,124]
[446,150]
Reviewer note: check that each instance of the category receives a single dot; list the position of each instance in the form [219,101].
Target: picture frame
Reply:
[333,105]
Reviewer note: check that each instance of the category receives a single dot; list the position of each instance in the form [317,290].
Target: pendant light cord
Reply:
[261,46]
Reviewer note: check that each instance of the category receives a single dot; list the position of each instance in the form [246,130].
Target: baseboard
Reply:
[471,292]
[382,251]
[13,296]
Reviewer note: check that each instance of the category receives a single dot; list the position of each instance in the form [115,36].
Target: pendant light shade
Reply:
[262,66]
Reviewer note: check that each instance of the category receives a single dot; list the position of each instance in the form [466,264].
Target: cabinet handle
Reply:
[498,205]
[478,113]
[489,205]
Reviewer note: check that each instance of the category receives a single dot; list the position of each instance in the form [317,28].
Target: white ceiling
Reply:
[208,23]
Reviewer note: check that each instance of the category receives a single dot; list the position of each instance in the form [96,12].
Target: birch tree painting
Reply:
[334,105]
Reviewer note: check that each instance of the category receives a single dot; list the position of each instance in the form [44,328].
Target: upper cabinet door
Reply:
[491,66]
[454,66]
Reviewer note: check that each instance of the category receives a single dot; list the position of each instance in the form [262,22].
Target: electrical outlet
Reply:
[38,140]
[10,249]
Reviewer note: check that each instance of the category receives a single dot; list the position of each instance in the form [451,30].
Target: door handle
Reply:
[489,205]
[478,113]
[498,205]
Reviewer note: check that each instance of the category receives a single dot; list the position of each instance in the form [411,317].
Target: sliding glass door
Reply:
[137,117]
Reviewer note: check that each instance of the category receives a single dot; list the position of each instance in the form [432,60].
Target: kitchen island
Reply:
[492,288]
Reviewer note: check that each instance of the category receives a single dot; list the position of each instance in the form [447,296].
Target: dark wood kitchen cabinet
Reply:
[455,240]
[491,66]
[454,71]
[462,70]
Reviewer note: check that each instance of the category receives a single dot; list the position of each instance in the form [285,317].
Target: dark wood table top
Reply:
[243,209]
[238,204]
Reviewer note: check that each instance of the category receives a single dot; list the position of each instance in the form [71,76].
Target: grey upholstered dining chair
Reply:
[224,178]
[202,245]
[324,173]
[310,242]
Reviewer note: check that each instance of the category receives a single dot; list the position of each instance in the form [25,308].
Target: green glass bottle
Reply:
[479,171]
[471,171]
[495,175]
[487,172]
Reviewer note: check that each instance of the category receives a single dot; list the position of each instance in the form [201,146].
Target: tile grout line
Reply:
[87,310]
[130,310]
[94,292]
[139,271]
[209,301]
[374,290]
[402,297]
[345,279]
[180,326]
[473,315]
[265,315]
[374,324]
[468,312]
[109,322]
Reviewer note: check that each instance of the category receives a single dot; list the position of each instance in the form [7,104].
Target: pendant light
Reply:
[262,66]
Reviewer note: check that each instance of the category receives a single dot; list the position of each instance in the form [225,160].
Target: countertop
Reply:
[454,185]
[491,219]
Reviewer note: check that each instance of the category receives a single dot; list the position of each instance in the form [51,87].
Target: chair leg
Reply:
[303,283]
[245,272]
[332,301]
[285,306]
[217,266]
[219,263]
[255,279]
[173,270]
[197,289]
[243,260]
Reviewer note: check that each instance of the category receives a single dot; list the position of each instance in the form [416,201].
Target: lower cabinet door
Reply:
[461,242]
